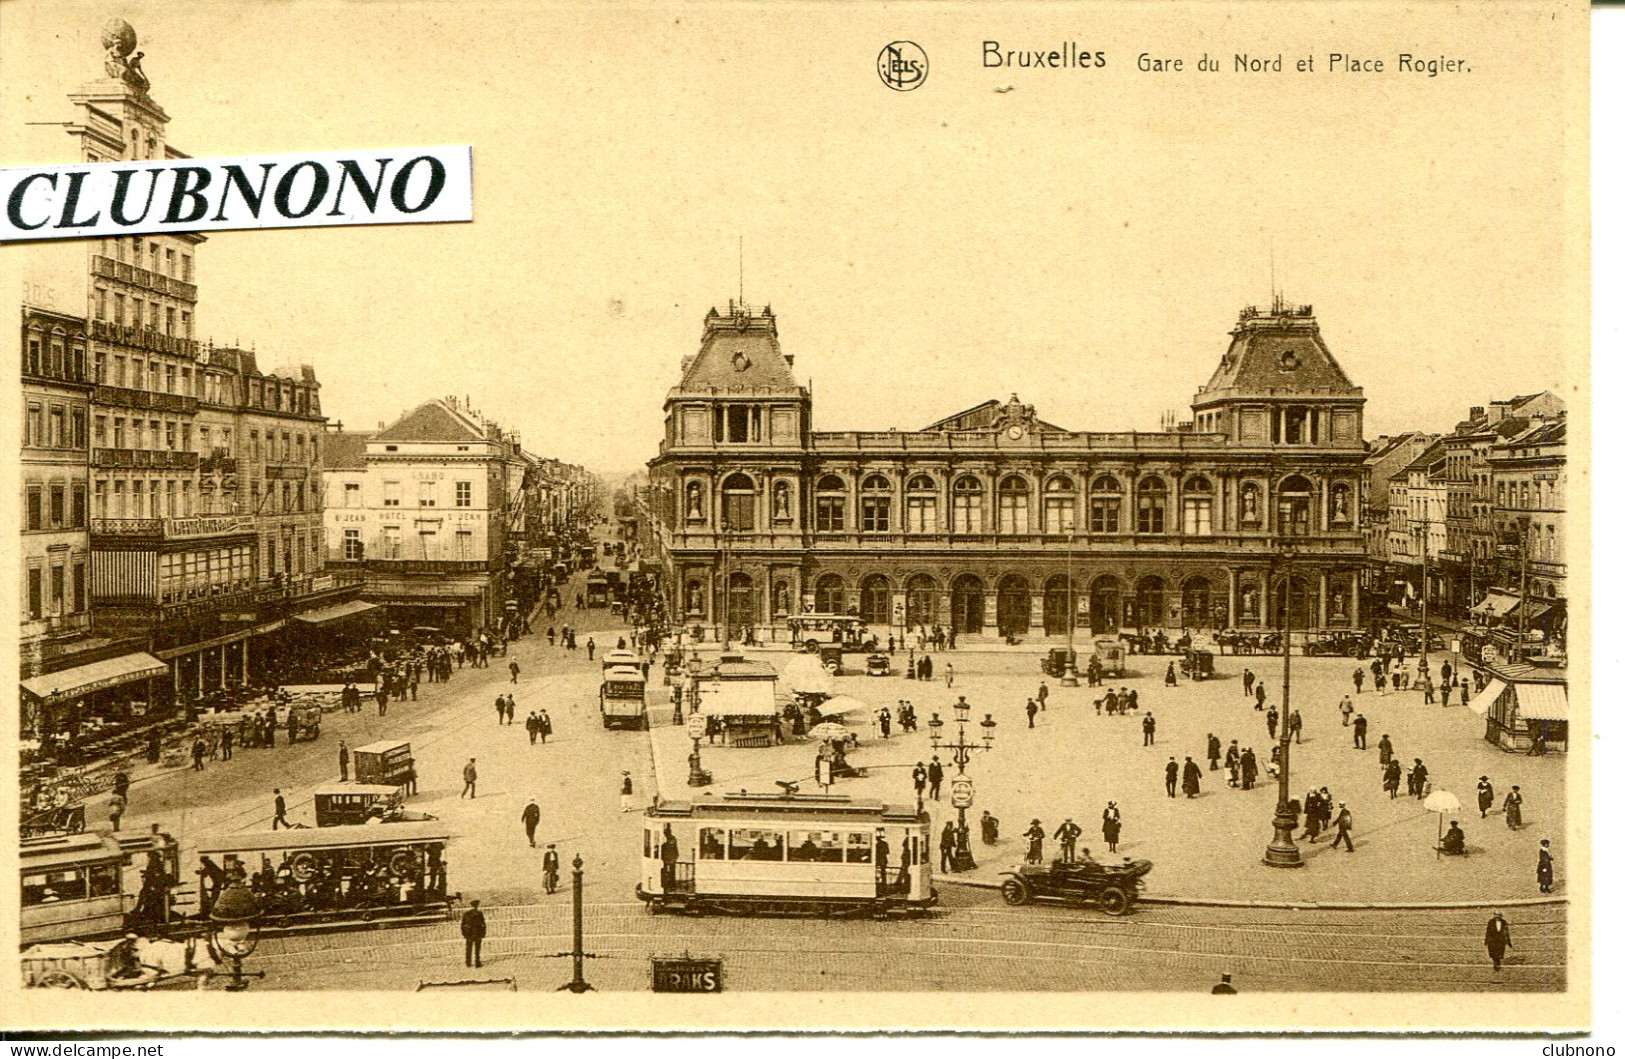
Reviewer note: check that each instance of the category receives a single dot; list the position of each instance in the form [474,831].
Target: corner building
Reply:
[999,522]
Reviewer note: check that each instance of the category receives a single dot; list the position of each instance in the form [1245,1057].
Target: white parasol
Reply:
[829,730]
[805,673]
[1441,802]
[845,706]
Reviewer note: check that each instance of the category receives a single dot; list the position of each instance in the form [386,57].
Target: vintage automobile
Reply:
[1053,664]
[1197,664]
[1111,654]
[363,803]
[1349,643]
[1114,887]
[830,657]
[877,666]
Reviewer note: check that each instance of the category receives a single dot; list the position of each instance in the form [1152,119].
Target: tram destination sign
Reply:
[686,975]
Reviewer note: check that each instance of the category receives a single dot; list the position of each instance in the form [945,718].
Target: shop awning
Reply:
[1535,608]
[1496,605]
[1480,703]
[1543,702]
[335,612]
[82,680]
[738,698]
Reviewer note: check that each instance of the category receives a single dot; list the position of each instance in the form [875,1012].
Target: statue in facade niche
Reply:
[123,61]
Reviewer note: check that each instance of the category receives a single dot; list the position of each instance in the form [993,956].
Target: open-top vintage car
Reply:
[877,665]
[1114,887]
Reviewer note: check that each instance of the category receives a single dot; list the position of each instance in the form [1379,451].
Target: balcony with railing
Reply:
[146,400]
[127,273]
[143,459]
[285,471]
[143,338]
[218,462]
[115,530]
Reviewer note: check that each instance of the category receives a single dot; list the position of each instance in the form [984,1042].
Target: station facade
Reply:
[994,521]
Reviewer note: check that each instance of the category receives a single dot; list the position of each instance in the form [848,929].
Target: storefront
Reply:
[95,709]
[1523,706]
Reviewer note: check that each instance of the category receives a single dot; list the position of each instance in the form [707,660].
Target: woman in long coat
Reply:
[1486,796]
[1111,826]
[1514,808]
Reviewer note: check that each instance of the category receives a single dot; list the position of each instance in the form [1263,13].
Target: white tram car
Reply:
[794,854]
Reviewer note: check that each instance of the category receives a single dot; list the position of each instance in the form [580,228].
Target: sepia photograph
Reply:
[1015,517]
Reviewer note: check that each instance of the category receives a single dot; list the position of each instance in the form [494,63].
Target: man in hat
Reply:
[1224,988]
[470,777]
[1214,749]
[1193,778]
[1345,824]
[1359,731]
[550,869]
[1170,777]
[344,761]
[531,817]
[1068,833]
[473,934]
[1497,935]
[1149,727]
[281,810]
[626,791]
[1455,841]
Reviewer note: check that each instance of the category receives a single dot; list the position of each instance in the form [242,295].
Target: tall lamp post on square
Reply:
[963,793]
[1282,852]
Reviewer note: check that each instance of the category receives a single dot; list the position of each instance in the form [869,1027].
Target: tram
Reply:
[621,701]
[333,877]
[786,854]
[95,885]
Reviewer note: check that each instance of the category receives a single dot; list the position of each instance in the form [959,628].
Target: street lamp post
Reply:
[1523,588]
[233,935]
[963,794]
[1282,852]
[1069,678]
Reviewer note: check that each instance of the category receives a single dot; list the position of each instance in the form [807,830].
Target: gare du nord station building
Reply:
[998,522]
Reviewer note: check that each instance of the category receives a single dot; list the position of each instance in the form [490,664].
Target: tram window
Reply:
[104,880]
[648,843]
[53,886]
[711,843]
[925,846]
[859,847]
[822,847]
[755,843]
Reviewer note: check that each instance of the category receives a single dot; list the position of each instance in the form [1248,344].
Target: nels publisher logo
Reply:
[903,65]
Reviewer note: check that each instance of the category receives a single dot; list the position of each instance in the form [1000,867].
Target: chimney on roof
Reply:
[1477,412]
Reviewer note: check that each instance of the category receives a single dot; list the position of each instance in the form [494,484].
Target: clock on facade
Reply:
[1015,433]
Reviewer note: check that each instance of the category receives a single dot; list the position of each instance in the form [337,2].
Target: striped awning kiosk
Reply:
[1481,702]
[1543,702]
[52,688]
[335,612]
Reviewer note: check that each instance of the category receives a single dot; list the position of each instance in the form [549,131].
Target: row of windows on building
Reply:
[429,494]
[1540,495]
[1013,507]
[54,506]
[431,544]
[54,354]
[148,313]
[216,571]
[50,425]
[173,498]
[166,261]
[55,591]
[157,374]
[176,436]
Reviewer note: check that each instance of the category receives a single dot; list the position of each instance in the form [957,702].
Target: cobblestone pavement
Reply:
[973,943]
[1073,760]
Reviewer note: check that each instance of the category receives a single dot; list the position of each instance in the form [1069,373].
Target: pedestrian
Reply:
[1385,750]
[1311,815]
[551,635]
[1272,720]
[1486,794]
[1497,935]
[1232,763]
[1382,682]
[115,809]
[1513,807]
[1193,778]
[1247,679]
[934,774]
[1359,731]
[533,727]
[1068,834]
[945,846]
[1035,842]
[121,784]
[198,751]
[948,671]
[1419,776]
[502,708]
[226,737]
[885,723]
[1149,727]
[1170,678]
[550,869]
[626,792]
[471,776]
[1032,712]
[591,647]
[1427,689]
[513,672]
[1259,695]
[1170,777]
[1224,988]
[544,724]
[382,695]
[1043,695]
[1214,749]
[1345,824]
[280,807]
[344,762]
[531,817]
[990,828]
[1543,868]
[1346,708]
[511,707]
[1249,767]
[1111,826]
[473,934]
[919,776]
[1295,726]
[1390,777]
[1359,679]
